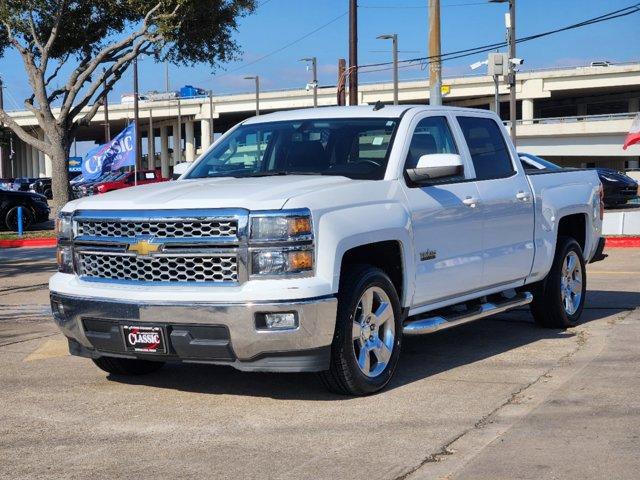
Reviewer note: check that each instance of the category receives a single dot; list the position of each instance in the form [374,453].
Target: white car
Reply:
[315,240]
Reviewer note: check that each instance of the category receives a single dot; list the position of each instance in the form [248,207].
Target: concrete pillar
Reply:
[164,151]
[190,141]
[151,149]
[205,134]
[35,160]
[527,110]
[28,165]
[41,163]
[177,147]
[634,104]
[48,166]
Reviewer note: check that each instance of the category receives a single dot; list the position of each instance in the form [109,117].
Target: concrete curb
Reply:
[29,242]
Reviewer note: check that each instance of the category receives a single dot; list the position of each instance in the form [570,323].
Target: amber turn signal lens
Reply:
[299,226]
[302,260]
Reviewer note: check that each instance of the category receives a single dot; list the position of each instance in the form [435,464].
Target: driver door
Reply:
[446,218]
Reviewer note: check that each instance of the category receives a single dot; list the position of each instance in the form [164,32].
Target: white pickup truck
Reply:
[314,240]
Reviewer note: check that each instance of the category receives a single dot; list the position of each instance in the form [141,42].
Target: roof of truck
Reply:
[360,111]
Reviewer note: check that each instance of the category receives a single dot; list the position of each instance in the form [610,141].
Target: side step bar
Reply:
[433,324]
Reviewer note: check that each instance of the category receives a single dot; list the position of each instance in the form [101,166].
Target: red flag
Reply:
[634,133]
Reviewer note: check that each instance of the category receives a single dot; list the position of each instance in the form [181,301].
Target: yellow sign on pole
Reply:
[445,89]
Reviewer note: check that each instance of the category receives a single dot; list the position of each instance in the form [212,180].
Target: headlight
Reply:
[64,258]
[64,227]
[292,225]
[281,261]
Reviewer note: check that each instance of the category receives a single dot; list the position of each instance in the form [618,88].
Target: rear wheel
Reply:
[11,218]
[558,300]
[127,366]
[368,335]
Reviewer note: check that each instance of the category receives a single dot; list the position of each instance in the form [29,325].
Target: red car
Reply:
[127,180]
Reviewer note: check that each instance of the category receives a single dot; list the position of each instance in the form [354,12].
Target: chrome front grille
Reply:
[160,246]
[158,229]
[164,268]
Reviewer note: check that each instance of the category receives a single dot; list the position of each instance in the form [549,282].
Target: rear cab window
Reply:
[487,146]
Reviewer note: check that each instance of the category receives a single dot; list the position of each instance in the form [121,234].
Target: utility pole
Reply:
[512,72]
[394,38]
[256,79]
[107,127]
[510,20]
[353,52]
[314,81]
[342,93]
[136,114]
[435,64]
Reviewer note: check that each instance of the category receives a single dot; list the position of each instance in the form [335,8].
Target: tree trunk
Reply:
[60,171]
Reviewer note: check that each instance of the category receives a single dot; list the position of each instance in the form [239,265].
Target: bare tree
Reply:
[101,38]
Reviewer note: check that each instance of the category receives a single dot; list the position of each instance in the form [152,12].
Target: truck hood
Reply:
[257,193]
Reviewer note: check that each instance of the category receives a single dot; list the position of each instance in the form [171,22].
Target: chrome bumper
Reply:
[235,339]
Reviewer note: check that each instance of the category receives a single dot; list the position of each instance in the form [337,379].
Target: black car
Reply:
[618,187]
[22,184]
[35,209]
[43,187]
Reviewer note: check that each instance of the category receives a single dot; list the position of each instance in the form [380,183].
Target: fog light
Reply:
[276,321]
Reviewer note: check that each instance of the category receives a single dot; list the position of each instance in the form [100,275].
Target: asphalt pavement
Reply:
[495,399]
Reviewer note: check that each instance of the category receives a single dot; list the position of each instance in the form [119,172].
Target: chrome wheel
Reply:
[373,331]
[571,283]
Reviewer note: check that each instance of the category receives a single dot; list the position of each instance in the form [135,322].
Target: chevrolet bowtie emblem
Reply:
[144,247]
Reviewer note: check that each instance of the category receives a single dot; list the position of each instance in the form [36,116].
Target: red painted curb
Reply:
[29,242]
[622,242]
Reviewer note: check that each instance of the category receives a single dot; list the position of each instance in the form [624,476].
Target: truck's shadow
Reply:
[422,357]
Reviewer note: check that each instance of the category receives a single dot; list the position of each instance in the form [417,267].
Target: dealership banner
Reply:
[119,152]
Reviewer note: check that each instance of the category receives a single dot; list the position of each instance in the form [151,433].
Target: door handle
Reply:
[523,196]
[470,202]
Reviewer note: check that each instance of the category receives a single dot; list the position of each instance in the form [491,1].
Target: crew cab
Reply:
[315,240]
[128,179]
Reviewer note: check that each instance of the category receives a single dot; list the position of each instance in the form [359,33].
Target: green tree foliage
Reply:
[101,38]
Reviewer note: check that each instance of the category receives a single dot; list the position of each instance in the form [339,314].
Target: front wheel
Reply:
[559,299]
[368,336]
[11,218]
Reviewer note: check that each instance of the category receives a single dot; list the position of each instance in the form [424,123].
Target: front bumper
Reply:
[203,332]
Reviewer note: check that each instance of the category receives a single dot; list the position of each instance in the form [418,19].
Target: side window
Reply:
[488,149]
[432,135]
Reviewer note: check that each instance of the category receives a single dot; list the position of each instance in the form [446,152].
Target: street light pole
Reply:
[314,81]
[107,128]
[136,114]
[394,38]
[256,79]
[511,79]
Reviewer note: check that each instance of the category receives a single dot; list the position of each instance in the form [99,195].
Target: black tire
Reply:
[547,307]
[11,218]
[344,375]
[127,366]
[48,193]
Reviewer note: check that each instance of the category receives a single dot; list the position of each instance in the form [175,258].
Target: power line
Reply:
[623,12]
[421,7]
[284,47]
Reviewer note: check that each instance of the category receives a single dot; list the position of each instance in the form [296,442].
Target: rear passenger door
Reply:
[506,199]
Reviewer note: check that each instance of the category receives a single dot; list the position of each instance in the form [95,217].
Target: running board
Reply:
[433,324]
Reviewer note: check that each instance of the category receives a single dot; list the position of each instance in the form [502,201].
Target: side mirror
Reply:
[435,166]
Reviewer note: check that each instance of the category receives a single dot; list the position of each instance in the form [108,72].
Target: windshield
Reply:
[350,147]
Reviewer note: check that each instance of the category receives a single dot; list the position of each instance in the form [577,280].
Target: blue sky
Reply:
[465,23]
